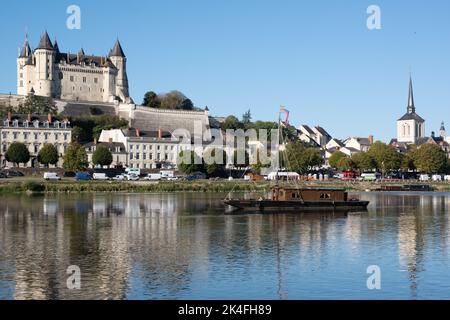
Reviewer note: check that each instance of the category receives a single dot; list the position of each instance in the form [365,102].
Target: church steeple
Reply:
[411,107]
[442,132]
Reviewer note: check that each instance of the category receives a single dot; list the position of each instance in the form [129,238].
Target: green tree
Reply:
[48,155]
[213,166]
[346,164]
[17,153]
[189,162]
[38,105]
[78,134]
[102,156]
[430,158]
[297,158]
[75,158]
[231,122]
[151,100]
[335,158]
[247,117]
[363,161]
[385,156]
[186,104]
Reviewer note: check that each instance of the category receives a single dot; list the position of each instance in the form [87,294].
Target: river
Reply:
[183,246]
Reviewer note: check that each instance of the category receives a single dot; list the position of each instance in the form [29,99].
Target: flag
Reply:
[285,113]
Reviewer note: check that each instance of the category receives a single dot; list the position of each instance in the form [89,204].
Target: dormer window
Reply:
[56,124]
[6,123]
[36,123]
[25,124]
[15,123]
[46,124]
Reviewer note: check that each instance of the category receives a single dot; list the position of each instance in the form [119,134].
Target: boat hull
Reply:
[271,205]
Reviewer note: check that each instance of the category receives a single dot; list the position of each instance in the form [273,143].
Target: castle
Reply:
[45,71]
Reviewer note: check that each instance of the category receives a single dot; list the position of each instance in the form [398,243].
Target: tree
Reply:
[17,153]
[186,105]
[48,155]
[102,156]
[335,158]
[213,166]
[363,161]
[91,127]
[38,105]
[247,117]
[297,158]
[385,156]
[430,158]
[151,100]
[189,162]
[75,158]
[231,122]
[345,164]
[78,134]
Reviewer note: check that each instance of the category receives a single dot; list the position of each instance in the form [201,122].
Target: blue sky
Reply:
[315,57]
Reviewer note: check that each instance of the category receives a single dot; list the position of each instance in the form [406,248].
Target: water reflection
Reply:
[183,246]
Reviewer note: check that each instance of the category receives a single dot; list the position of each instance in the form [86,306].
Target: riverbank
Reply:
[24,185]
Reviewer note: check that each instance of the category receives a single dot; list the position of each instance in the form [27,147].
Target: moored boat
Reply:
[288,199]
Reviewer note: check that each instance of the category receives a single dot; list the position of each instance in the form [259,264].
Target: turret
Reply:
[119,60]
[442,132]
[24,62]
[45,60]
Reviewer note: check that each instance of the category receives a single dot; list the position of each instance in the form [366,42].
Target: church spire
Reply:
[411,107]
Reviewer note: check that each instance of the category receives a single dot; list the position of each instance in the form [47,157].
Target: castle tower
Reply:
[411,126]
[45,55]
[24,62]
[119,60]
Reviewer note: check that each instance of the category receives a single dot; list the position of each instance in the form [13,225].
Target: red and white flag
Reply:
[285,113]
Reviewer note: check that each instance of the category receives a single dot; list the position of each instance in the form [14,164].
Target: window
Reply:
[137,155]
[131,155]
[144,147]
[21,83]
[35,136]
[325,196]
[144,156]
[4,134]
[95,80]
[150,156]
[158,156]
[65,136]
[36,148]
[45,136]
[84,79]
[4,148]
[25,135]
[15,135]
[71,78]
[131,147]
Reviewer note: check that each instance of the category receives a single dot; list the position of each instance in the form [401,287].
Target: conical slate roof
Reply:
[45,42]
[117,51]
[26,50]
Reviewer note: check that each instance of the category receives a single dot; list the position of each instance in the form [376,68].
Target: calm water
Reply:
[182,246]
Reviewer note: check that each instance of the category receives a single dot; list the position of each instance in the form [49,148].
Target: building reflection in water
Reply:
[181,245]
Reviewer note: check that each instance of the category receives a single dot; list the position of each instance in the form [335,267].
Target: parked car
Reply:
[132,177]
[436,178]
[13,173]
[392,176]
[100,176]
[370,176]
[69,174]
[3,175]
[153,177]
[82,176]
[173,179]
[51,176]
[119,177]
[196,176]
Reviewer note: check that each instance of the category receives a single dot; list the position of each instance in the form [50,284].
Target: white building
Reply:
[316,136]
[410,127]
[146,149]
[34,132]
[67,76]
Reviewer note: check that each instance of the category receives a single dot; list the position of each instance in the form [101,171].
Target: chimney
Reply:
[138,133]
[9,115]
[159,133]
[49,117]
[371,139]
[29,117]
[433,134]
[110,140]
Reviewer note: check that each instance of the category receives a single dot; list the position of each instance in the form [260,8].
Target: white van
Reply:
[153,177]
[424,177]
[166,174]
[436,178]
[51,176]
[135,171]
[447,178]
[99,176]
